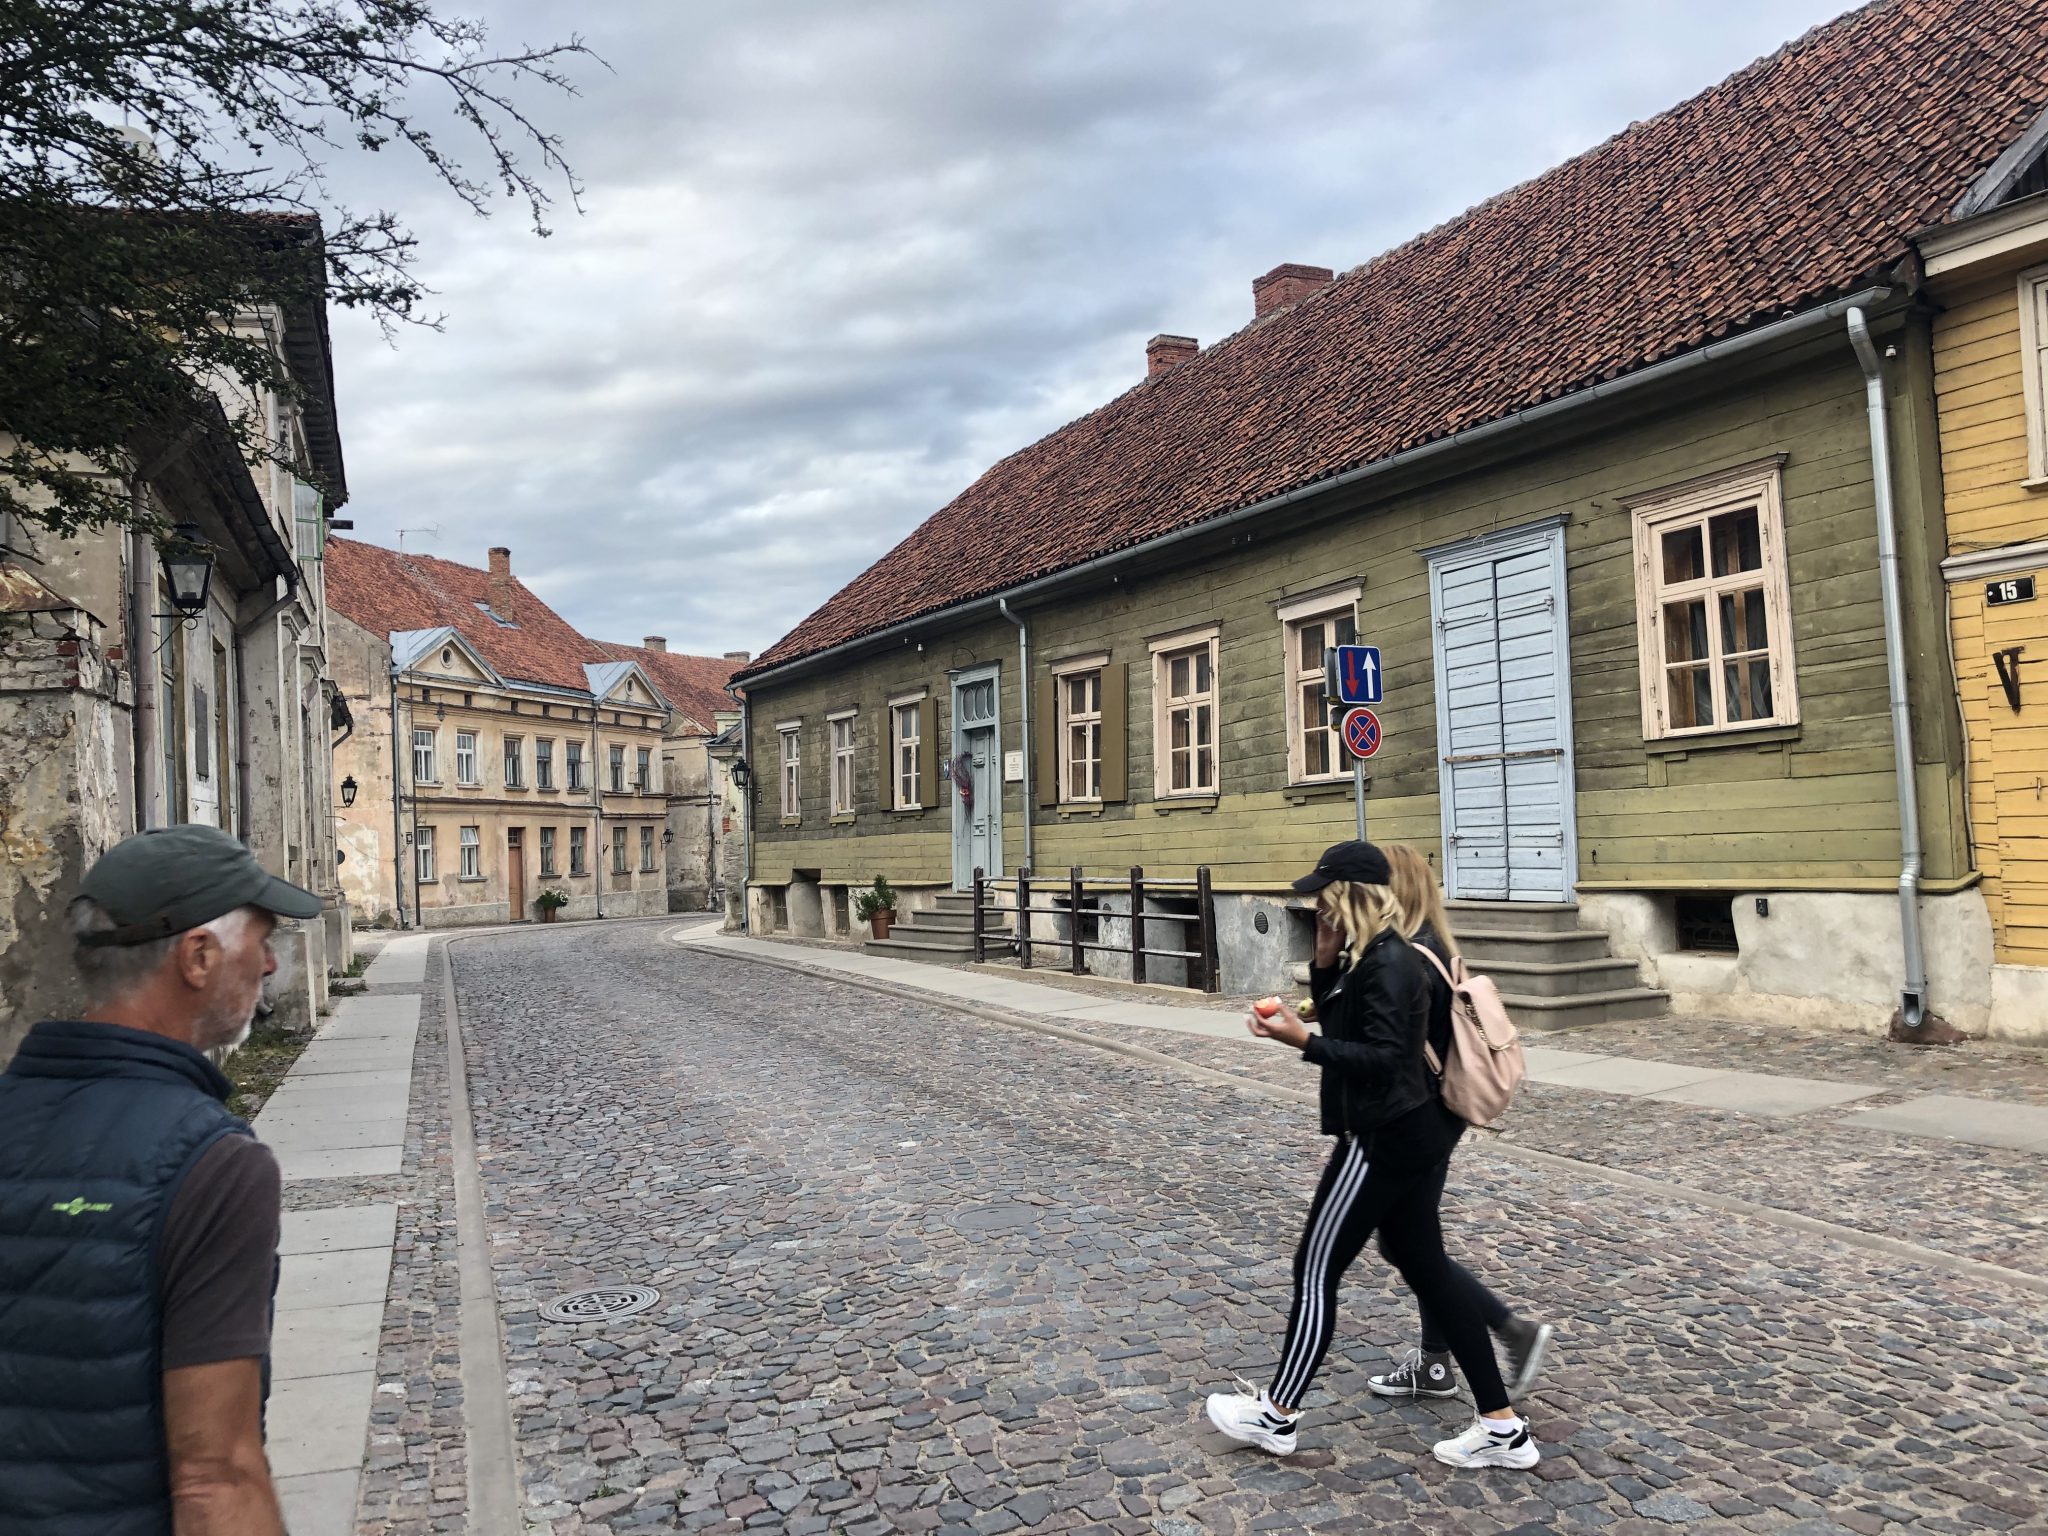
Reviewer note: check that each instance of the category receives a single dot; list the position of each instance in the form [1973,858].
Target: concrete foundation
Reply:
[2019,1003]
[1828,959]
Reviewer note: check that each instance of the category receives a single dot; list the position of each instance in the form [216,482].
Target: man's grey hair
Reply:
[110,970]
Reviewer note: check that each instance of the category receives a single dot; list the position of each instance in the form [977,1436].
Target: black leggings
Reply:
[1355,1199]
[1492,1310]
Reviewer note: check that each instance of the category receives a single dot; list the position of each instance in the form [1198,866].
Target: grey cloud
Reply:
[838,258]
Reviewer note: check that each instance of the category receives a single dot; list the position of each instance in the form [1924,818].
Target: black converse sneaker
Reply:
[1527,1343]
[1417,1375]
[1250,1418]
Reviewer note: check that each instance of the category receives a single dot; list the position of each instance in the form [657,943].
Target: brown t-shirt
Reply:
[218,1256]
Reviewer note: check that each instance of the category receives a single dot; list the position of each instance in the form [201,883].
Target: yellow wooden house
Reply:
[1988,272]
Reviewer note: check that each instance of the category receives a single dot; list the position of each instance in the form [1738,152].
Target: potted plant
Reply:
[550,901]
[876,906]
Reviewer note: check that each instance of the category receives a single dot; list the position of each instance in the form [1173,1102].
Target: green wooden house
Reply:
[1600,469]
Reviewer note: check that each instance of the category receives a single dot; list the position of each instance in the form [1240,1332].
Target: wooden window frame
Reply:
[790,759]
[574,766]
[579,851]
[548,869]
[643,769]
[1164,651]
[469,842]
[619,863]
[1295,616]
[433,750]
[646,850]
[843,755]
[426,868]
[615,766]
[2033,302]
[472,778]
[1063,675]
[544,762]
[906,752]
[515,762]
[1696,502]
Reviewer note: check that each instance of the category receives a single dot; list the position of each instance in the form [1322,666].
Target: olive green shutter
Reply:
[928,753]
[885,796]
[1116,729]
[1045,729]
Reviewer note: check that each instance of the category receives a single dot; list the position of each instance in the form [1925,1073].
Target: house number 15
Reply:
[2013,589]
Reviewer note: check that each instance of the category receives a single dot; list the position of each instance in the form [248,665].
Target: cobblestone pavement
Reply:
[922,1272]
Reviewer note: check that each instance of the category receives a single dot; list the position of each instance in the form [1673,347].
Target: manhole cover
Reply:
[600,1303]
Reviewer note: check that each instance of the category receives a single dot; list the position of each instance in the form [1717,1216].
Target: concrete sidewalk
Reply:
[1954,1117]
[339,1114]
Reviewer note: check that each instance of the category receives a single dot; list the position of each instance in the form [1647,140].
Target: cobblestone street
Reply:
[924,1272]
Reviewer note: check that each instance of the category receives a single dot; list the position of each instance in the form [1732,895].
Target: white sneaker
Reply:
[1479,1446]
[1248,1418]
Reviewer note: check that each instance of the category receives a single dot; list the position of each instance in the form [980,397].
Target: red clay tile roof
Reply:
[693,685]
[384,590]
[1789,183]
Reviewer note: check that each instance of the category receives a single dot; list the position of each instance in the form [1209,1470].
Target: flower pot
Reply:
[547,914]
[879,924]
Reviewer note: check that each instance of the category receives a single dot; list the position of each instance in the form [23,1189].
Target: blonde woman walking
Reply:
[1428,1370]
[1374,997]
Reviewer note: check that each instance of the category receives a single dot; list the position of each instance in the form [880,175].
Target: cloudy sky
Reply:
[837,256]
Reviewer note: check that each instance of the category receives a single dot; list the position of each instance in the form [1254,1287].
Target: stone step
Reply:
[1555,1015]
[1518,916]
[953,901]
[1488,947]
[933,951]
[1566,978]
[943,921]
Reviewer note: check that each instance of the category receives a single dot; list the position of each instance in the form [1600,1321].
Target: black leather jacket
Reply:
[1373,1019]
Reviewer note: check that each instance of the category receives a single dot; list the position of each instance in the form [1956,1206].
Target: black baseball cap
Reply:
[170,879]
[1358,862]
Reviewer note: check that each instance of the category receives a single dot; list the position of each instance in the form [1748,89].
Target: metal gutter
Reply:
[1764,337]
[746,808]
[1913,997]
[1024,702]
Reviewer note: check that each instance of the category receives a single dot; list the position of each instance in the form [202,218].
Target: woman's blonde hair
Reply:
[1422,899]
[1361,913]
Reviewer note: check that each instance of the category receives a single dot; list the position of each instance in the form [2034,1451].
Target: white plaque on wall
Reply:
[1013,767]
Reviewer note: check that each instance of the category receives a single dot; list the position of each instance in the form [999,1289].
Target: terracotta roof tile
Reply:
[1793,181]
[385,590]
[693,685]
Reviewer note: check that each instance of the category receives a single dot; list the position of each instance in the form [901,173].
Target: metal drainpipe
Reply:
[1024,702]
[397,810]
[746,808]
[143,671]
[1913,999]
[598,854]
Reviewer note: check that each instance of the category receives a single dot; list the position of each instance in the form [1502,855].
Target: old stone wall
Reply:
[65,783]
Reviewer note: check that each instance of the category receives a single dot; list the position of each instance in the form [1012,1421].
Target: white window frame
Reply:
[1064,721]
[905,746]
[515,762]
[844,780]
[424,868]
[465,758]
[646,850]
[548,868]
[1697,502]
[791,735]
[2033,300]
[425,739]
[471,842]
[1295,616]
[1164,651]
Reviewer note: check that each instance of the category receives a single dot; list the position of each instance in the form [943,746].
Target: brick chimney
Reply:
[1286,286]
[655,643]
[1163,354]
[739,658]
[501,581]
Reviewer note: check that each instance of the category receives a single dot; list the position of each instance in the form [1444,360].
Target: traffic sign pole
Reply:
[1358,792]
[1359,730]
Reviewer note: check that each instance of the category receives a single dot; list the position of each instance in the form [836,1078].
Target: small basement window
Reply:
[1706,922]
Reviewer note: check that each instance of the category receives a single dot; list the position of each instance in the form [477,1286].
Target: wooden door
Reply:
[515,872]
[1504,718]
[977,814]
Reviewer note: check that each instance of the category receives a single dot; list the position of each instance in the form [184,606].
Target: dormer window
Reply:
[495,617]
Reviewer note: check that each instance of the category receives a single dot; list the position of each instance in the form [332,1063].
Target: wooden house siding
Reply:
[1811,805]
[1987,503]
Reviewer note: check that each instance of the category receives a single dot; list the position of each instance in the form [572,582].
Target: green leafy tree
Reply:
[162,181]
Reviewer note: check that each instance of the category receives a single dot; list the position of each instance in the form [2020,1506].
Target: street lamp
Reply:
[348,791]
[740,773]
[188,563]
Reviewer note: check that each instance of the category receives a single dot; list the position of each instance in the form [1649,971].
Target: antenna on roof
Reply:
[435,530]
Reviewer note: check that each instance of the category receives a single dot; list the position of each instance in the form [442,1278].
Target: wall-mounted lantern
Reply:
[348,791]
[188,566]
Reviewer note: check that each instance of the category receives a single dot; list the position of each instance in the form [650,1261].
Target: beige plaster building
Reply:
[121,708]
[500,753]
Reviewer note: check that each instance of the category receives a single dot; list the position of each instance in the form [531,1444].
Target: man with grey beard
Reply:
[138,1216]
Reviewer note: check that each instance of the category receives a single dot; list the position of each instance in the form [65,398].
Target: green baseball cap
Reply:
[170,879]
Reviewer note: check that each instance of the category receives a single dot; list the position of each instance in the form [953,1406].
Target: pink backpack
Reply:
[1486,1065]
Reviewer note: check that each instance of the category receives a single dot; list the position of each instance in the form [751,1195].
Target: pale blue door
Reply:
[977,759]
[1503,674]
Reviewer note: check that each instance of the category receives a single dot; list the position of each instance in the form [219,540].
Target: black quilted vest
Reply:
[98,1125]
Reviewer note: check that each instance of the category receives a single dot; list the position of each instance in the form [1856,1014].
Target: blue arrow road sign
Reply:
[1352,675]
